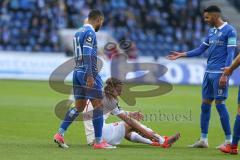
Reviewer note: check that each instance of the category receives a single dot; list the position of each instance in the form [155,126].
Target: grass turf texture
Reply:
[28,123]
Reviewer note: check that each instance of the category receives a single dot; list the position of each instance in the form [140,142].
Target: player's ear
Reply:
[215,15]
[98,19]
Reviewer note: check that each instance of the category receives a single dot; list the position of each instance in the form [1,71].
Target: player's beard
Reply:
[97,28]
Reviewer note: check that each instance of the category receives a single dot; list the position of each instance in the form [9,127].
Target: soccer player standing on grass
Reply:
[87,84]
[233,147]
[221,43]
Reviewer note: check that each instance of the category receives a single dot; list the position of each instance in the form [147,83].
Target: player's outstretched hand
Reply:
[175,55]
[90,81]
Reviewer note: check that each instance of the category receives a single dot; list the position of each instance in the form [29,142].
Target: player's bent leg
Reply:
[160,139]
[80,104]
[128,129]
[164,142]
[70,116]
[137,138]
[132,136]
[224,118]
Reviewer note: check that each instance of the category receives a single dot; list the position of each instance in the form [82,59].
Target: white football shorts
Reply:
[113,133]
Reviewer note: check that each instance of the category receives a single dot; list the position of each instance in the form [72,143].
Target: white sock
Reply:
[161,139]
[204,139]
[228,141]
[135,137]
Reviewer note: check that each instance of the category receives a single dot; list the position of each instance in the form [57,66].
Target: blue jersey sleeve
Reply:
[206,40]
[88,43]
[201,49]
[198,51]
[231,46]
[232,38]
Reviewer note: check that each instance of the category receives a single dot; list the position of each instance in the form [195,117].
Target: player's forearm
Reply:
[87,61]
[230,51]
[89,65]
[236,63]
[198,51]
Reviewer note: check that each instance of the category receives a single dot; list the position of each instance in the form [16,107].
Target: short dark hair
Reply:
[212,9]
[94,14]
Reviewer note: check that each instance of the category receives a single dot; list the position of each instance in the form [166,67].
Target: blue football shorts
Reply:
[211,89]
[80,90]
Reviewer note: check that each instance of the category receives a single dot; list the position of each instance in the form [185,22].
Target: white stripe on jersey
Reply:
[231,45]
[87,47]
[213,71]
[205,43]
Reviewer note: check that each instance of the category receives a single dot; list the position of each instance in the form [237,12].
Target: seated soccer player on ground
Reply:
[129,128]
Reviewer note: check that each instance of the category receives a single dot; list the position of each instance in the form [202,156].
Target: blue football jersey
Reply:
[218,40]
[85,49]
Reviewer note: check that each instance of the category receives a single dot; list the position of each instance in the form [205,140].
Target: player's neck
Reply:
[92,24]
[219,23]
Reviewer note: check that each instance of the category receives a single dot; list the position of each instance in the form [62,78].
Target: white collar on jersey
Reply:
[221,27]
[89,25]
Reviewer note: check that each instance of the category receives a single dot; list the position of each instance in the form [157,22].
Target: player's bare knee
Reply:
[127,128]
[80,104]
[207,101]
[128,136]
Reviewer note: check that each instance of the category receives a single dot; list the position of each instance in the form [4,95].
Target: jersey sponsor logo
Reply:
[217,42]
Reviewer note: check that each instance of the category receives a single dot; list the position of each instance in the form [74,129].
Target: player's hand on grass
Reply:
[136,115]
[90,81]
[175,55]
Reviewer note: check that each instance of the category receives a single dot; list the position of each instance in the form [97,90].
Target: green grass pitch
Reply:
[28,123]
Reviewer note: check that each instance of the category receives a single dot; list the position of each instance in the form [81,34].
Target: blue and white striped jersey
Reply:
[85,49]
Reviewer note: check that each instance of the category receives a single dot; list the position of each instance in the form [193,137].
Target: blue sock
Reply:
[98,123]
[69,118]
[236,130]
[204,120]
[224,117]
